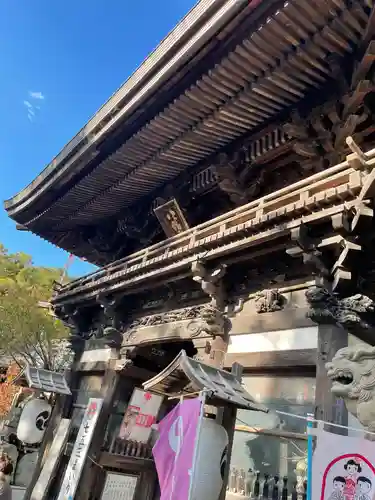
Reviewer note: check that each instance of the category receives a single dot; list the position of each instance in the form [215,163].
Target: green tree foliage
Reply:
[28,333]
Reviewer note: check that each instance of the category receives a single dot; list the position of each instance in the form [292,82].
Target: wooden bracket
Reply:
[355,100]
[340,222]
[210,281]
[314,259]
[359,155]
[344,249]
[362,212]
[364,66]
[300,236]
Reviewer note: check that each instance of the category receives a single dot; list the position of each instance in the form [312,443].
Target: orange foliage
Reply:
[7,390]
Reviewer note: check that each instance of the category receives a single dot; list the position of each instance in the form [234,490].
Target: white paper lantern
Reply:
[211,461]
[33,421]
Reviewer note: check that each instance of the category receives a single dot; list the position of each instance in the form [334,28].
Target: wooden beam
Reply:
[112,460]
[365,64]
[273,360]
[255,225]
[369,32]
[271,432]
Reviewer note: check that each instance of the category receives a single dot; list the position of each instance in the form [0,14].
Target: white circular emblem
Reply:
[176,435]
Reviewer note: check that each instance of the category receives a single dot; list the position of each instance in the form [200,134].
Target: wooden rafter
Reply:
[316,200]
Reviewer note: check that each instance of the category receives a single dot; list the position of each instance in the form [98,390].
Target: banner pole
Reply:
[202,397]
[310,420]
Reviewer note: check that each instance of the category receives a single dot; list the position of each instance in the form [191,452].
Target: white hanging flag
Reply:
[343,468]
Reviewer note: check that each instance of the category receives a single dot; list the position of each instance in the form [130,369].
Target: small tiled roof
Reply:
[186,376]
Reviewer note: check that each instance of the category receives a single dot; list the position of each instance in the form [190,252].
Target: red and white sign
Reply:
[140,415]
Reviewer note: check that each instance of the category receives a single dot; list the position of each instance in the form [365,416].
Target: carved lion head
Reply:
[352,371]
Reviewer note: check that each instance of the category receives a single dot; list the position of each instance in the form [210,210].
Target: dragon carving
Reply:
[352,372]
[356,314]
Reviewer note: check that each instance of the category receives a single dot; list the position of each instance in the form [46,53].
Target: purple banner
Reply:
[174,450]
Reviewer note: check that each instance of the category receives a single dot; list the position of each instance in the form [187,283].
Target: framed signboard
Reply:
[171,218]
[140,415]
[119,486]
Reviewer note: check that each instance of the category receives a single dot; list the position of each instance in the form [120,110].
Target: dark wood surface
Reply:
[327,406]
[286,319]
[127,464]
[273,360]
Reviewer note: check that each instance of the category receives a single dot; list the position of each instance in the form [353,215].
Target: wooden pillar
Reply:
[108,391]
[327,406]
[228,421]
[211,283]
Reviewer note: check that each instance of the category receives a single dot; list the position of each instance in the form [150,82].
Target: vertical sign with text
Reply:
[81,447]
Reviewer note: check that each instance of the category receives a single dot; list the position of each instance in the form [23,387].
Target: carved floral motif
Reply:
[202,318]
[166,317]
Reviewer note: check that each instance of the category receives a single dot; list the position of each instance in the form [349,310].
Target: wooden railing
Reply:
[128,448]
[314,199]
[122,453]
[242,484]
[252,485]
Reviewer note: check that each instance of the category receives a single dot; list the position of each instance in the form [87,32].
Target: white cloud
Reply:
[31,108]
[36,95]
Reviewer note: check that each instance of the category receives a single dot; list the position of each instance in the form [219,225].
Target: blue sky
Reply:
[59,62]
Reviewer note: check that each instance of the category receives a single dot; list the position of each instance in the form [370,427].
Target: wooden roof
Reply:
[228,69]
[185,376]
[274,223]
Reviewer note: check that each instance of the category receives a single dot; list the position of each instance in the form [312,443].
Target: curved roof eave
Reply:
[193,31]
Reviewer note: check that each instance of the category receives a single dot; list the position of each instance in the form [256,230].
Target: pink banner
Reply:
[174,450]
